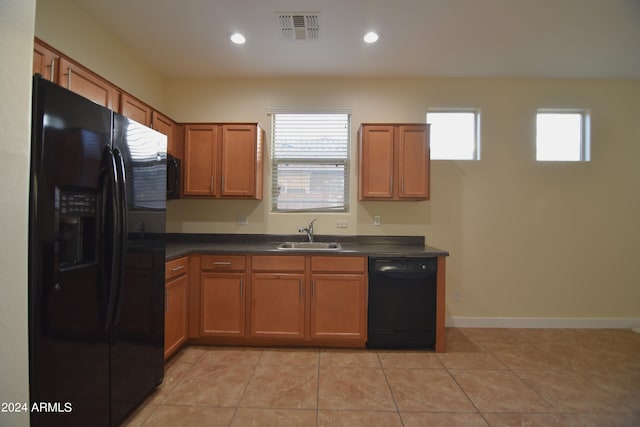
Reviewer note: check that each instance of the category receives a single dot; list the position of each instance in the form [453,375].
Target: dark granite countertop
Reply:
[254,244]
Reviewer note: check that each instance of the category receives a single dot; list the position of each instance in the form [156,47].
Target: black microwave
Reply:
[173,177]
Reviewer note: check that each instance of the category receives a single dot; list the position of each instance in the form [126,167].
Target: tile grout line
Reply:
[509,369]
[513,372]
[515,367]
[246,386]
[463,391]
[318,390]
[393,396]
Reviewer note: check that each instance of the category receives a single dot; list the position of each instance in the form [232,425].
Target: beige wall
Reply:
[70,30]
[16,50]
[527,239]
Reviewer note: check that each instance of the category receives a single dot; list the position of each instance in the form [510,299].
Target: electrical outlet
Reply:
[376,220]
[242,220]
[456,295]
[342,223]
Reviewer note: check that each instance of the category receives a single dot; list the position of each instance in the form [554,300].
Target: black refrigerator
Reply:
[96,261]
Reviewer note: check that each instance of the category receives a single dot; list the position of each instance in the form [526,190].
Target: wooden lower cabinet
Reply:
[277,305]
[338,309]
[175,327]
[298,300]
[222,296]
[175,305]
[260,300]
[309,299]
[222,304]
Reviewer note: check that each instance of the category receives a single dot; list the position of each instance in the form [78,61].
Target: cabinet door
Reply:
[338,307]
[166,126]
[135,109]
[376,162]
[200,154]
[45,62]
[238,161]
[413,161]
[87,84]
[277,305]
[222,304]
[175,320]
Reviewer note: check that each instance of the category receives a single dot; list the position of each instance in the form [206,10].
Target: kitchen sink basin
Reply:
[310,246]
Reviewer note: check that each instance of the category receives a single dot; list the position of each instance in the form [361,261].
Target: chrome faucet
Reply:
[309,230]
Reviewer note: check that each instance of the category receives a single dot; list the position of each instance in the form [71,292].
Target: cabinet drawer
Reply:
[176,267]
[338,264]
[223,262]
[277,263]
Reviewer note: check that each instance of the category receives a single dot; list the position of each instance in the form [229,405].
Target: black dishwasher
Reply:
[402,302]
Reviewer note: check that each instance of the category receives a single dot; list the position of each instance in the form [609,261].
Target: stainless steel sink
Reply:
[310,246]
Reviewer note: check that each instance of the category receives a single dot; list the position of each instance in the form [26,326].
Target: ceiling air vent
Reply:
[299,26]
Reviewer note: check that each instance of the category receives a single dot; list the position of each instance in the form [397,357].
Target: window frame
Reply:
[345,163]
[585,130]
[476,129]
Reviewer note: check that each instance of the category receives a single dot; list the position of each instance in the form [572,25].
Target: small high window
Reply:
[454,134]
[562,135]
[310,162]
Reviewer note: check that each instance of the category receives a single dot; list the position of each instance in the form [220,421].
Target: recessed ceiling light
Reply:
[237,38]
[371,37]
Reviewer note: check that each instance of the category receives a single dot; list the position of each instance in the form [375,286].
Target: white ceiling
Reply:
[461,38]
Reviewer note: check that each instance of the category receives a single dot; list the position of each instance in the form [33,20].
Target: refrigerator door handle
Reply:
[123,232]
[109,227]
[176,178]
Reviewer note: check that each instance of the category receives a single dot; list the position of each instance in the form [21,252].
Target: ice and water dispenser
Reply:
[77,227]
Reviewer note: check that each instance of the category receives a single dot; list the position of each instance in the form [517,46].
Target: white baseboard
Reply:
[544,322]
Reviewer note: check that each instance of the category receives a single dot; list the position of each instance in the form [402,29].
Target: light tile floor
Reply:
[487,377]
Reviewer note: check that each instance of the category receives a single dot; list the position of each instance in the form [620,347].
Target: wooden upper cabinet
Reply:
[200,160]
[85,83]
[135,109]
[223,160]
[241,161]
[413,161]
[394,162]
[376,162]
[143,113]
[45,61]
[166,126]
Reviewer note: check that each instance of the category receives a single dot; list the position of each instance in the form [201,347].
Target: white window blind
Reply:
[310,162]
